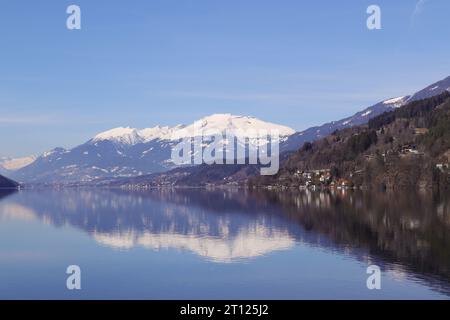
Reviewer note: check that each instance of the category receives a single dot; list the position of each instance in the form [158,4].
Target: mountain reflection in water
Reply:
[402,232]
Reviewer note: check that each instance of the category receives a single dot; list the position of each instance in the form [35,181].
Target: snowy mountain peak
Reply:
[157,132]
[123,135]
[148,150]
[223,123]
[53,152]
[231,124]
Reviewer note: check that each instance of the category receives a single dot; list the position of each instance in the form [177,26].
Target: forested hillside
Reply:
[407,147]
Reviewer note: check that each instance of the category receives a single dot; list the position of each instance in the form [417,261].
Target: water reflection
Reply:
[215,226]
[403,232]
[407,231]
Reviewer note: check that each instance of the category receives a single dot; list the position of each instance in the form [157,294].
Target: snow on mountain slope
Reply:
[12,164]
[158,132]
[296,140]
[223,123]
[396,102]
[119,135]
[432,90]
[129,152]
[239,126]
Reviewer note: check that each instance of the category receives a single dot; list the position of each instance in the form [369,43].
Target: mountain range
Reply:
[297,140]
[128,152]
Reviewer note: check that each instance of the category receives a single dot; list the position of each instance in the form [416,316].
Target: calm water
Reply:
[192,244]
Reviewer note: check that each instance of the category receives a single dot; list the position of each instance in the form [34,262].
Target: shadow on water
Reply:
[402,232]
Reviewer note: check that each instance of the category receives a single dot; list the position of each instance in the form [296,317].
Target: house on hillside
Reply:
[420,131]
[409,149]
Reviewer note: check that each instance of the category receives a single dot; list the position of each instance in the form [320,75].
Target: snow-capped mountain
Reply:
[7,164]
[296,140]
[240,126]
[132,136]
[128,152]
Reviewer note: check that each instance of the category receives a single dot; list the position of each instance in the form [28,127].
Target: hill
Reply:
[407,147]
[6,183]
[295,141]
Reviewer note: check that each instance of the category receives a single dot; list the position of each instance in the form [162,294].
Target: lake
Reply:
[223,244]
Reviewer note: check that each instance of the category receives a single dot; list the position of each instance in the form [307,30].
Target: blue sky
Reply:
[142,63]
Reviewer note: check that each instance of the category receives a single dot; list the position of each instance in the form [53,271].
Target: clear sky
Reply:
[141,63]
